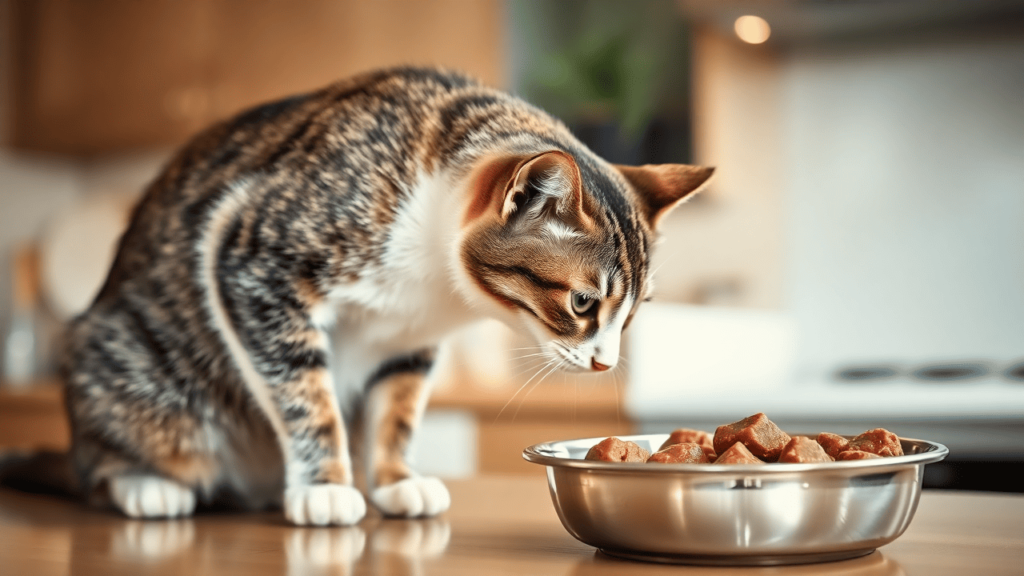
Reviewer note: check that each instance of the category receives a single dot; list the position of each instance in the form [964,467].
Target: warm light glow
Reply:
[752,29]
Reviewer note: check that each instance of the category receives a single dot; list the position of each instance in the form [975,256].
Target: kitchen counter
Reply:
[497,525]
[33,417]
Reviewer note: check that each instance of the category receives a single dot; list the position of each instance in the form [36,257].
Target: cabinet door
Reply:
[285,48]
[109,75]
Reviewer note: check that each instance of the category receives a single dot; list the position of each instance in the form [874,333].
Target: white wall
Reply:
[34,190]
[905,208]
[30,190]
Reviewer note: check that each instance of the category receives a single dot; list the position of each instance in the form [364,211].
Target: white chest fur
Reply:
[409,301]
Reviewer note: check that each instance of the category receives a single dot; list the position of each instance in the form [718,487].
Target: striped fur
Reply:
[305,257]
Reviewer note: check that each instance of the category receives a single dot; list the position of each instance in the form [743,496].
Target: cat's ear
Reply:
[662,187]
[546,183]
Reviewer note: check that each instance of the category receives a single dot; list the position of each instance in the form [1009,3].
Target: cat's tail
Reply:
[39,472]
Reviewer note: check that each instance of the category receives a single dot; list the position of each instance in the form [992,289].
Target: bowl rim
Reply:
[930,452]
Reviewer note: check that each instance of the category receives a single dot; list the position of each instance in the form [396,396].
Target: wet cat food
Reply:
[681,435]
[753,440]
[683,453]
[833,443]
[738,454]
[700,437]
[615,450]
[709,452]
[802,449]
[878,441]
[759,434]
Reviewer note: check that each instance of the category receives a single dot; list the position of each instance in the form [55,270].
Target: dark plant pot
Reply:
[607,140]
[661,141]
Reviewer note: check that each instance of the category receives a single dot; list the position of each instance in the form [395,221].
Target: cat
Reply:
[303,260]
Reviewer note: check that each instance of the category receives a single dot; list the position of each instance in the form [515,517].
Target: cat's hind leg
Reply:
[135,443]
[394,407]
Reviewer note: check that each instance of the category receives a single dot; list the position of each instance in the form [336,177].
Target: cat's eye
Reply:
[581,303]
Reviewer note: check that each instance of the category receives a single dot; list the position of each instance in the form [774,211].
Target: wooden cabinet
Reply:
[95,76]
[33,418]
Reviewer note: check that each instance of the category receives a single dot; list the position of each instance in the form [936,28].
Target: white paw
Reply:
[146,496]
[323,504]
[412,497]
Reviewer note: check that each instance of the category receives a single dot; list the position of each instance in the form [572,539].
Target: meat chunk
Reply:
[738,454]
[803,449]
[685,453]
[878,441]
[833,443]
[681,435]
[856,455]
[615,450]
[759,434]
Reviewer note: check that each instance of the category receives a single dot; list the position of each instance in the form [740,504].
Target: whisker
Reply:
[526,348]
[528,364]
[655,271]
[615,387]
[541,369]
[575,395]
[526,367]
[567,353]
[528,355]
[518,376]
[537,383]
[520,362]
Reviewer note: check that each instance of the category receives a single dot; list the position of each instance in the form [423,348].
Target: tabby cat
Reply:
[303,260]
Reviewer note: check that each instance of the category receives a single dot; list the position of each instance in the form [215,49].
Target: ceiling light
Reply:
[752,29]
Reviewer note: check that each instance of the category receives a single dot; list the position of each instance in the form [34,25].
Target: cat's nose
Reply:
[598,366]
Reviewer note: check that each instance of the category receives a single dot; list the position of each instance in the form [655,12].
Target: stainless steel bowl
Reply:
[733,514]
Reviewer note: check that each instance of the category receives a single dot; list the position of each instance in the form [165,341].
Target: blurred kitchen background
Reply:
[857,262]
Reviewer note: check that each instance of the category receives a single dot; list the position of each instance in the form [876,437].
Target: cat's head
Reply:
[560,246]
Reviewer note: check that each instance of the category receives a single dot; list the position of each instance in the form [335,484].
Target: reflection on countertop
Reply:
[497,525]
[874,564]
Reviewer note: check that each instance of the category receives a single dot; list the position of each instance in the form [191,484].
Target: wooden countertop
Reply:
[497,525]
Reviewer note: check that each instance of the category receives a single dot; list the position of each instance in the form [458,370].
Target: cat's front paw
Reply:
[324,504]
[412,497]
[148,496]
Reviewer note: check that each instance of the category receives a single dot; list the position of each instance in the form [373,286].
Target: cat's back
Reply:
[390,124]
[374,117]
